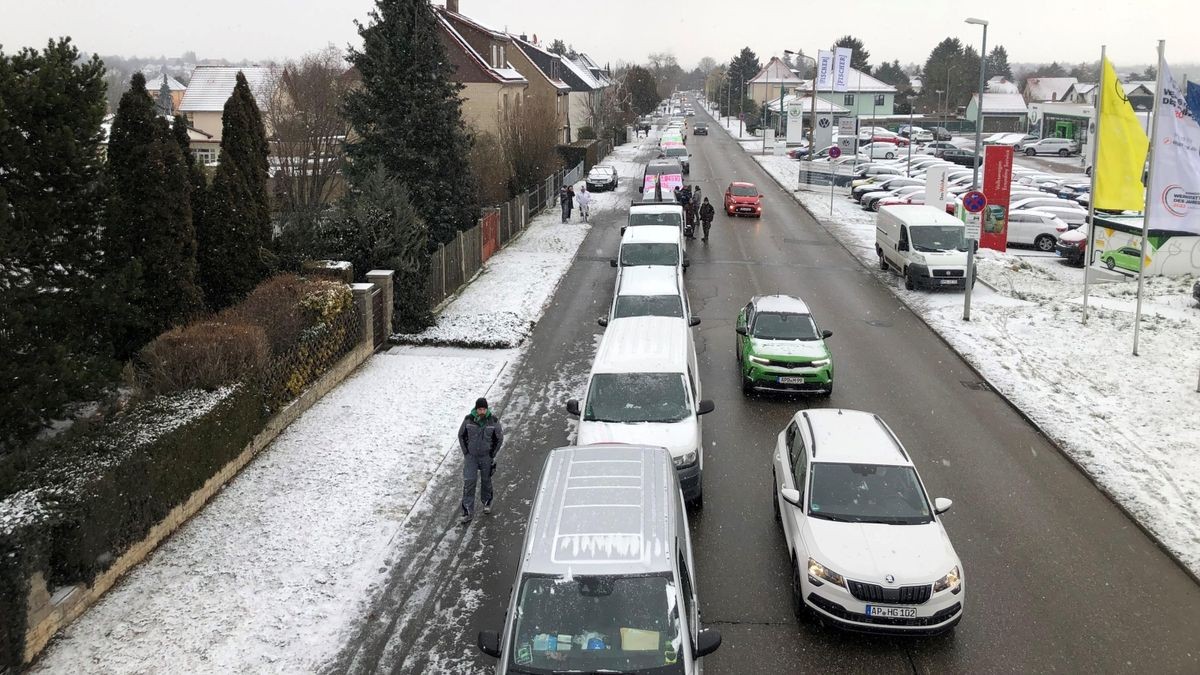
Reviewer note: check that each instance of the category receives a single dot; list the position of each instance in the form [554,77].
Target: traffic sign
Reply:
[974,201]
[835,152]
[973,224]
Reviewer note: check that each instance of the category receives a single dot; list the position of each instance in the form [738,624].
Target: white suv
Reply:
[1052,146]
[868,550]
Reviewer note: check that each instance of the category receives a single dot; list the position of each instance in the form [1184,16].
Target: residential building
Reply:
[544,71]
[1000,85]
[1038,89]
[1140,94]
[155,78]
[1001,112]
[775,79]
[492,87]
[203,103]
[586,96]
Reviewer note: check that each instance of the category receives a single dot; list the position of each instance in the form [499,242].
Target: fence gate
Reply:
[381,329]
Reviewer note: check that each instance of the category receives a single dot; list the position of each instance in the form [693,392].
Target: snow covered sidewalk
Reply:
[271,575]
[1132,423]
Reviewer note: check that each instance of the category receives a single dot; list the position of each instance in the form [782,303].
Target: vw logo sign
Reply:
[823,122]
[890,579]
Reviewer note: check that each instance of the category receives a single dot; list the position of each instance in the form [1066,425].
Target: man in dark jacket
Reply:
[479,438]
[706,217]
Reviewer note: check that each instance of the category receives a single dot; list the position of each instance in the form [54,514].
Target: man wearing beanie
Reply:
[479,438]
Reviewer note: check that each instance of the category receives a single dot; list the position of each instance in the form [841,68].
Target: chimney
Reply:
[452,5]
[524,37]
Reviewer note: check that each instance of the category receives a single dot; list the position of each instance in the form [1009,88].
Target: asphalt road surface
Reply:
[1057,578]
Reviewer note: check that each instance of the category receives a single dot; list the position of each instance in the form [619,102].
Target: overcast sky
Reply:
[627,30]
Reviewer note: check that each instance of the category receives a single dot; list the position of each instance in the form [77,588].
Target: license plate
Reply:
[949,282]
[892,612]
[791,380]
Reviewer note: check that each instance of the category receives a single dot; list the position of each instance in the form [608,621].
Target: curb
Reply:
[1195,576]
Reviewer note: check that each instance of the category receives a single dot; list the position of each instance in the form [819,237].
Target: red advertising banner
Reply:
[997,184]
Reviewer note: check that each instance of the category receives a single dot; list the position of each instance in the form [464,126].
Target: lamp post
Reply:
[975,163]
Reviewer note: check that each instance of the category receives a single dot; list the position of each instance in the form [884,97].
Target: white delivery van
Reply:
[644,388]
[925,245]
[606,581]
[655,213]
[650,290]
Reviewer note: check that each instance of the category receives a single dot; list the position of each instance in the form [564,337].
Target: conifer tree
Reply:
[407,115]
[234,241]
[149,243]
[51,106]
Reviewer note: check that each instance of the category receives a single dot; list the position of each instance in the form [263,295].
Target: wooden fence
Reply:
[455,263]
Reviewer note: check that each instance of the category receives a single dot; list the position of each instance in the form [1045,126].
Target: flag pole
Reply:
[1137,319]
[1091,218]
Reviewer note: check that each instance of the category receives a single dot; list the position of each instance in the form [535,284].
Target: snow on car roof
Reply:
[656,207]
[781,303]
[851,436]
[651,234]
[649,280]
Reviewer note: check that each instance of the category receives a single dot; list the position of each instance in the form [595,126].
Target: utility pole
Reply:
[975,164]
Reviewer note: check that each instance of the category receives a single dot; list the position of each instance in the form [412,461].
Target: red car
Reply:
[743,199]
[898,140]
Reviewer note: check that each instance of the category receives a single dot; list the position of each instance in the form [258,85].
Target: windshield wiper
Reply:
[826,516]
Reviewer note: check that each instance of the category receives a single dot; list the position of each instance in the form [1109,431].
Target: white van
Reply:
[651,245]
[645,388]
[607,581]
[923,244]
[651,290]
[655,213]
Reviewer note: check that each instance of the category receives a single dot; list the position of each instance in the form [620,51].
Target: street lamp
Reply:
[975,163]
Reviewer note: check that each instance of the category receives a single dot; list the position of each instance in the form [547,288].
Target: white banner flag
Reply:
[937,190]
[1173,202]
[824,69]
[841,68]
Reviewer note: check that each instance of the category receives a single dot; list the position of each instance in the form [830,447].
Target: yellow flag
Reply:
[1121,146]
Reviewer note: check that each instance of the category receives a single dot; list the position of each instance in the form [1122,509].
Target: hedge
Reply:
[78,502]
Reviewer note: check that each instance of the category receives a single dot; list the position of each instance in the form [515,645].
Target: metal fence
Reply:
[454,263]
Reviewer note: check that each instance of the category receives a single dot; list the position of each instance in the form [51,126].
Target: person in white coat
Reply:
[584,199]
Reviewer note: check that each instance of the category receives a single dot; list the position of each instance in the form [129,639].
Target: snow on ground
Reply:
[1131,422]
[269,577]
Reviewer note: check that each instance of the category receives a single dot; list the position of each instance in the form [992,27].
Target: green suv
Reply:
[780,348]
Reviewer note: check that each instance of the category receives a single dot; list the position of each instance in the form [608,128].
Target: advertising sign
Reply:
[670,181]
[1175,189]
[936,187]
[848,135]
[824,136]
[795,123]
[841,68]
[824,69]
[997,183]
[648,184]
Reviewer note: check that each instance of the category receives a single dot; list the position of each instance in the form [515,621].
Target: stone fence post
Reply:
[362,298]
[384,279]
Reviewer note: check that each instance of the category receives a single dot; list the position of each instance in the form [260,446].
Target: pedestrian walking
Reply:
[585,201]
[565,200]
[479,438]
[570,201]
[706,217]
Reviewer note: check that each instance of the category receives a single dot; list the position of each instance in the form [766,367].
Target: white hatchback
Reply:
[868,550]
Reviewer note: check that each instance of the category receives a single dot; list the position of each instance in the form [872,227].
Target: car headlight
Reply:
[820,363]
[686,459]
[952,581]
[818,573]
[758,359]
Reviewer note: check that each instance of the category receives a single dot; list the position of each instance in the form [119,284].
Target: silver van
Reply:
[606,573]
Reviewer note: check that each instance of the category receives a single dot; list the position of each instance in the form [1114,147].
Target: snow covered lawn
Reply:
[1132,422]
[270,576]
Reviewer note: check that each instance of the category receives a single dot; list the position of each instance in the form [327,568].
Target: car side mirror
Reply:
[573,407]
[741,330]
[826,334]
[612,262]
[706,406]
[694,321]
[603,321]
[941,505]
[791,496]
[489,643]
[707,642]
[902,246]
[686,264]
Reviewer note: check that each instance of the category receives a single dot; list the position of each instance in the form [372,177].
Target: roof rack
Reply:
[893,436]
[811,433]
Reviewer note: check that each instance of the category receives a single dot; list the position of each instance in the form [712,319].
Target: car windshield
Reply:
[604,174]
[701,125]
[597,624]
[637,397]
[868,493]
[642,218]
[937,238]
[648,305]
[649,254]
[781,326]
[744,191]
[676,152]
